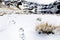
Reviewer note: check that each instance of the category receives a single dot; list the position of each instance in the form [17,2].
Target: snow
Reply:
[12,10]
[37,1]
[10,27]
[42,1]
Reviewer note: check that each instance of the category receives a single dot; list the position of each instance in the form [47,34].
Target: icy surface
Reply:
[10,27]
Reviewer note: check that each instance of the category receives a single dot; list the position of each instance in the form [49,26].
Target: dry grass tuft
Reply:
[46,28]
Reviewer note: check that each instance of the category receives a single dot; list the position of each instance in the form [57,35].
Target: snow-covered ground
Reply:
[9,9]
[42,1]
[10,27]
[12,10]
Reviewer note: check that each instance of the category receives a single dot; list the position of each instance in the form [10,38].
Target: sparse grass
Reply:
[2,13]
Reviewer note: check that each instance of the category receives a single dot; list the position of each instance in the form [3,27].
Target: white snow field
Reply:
[10,26]
[42,1]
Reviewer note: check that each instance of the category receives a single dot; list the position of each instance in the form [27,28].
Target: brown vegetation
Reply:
[46,28]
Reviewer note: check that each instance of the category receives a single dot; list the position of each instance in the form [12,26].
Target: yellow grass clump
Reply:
[46,28]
